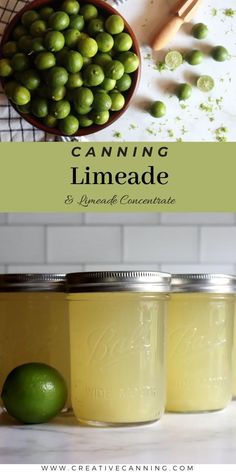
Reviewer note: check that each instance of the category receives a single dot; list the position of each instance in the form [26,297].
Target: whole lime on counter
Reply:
[184,91]
[220,53]
[34,393]
[200,31]
[158,109]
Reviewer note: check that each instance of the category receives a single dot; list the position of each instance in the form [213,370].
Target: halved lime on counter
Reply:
[205,83]
[173,59]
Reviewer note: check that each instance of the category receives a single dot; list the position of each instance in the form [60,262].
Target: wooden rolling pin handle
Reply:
[167,32]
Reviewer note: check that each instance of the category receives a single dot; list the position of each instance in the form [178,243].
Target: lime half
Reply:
[173,59]
[205,83]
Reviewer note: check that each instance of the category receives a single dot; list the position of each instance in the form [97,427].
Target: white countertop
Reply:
[199,438]
[203,117]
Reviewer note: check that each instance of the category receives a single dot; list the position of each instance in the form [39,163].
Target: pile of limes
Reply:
[69,66]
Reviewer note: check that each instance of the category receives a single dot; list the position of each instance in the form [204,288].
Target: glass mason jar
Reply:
[34,323]
[199,342]
[117,335]
[234,351]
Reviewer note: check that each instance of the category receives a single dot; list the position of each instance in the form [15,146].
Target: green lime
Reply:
[34,393]
[24,109]
[82,110]
[108,84]
[89,11]
[158,109]
[114,24]
[220,53]
[83,98]
[19,31]
[87,47]
[200,31]
[71,7]
[102,102]
[30,79]
[118,100]
[50,121]
[45,60]
[194,57]
[184,91]
[100,118]
[25,43]
[105,42]
[54,41]
[173,59]
[102,58]
[69,125]
[74,81]
[93,75]
[95,26]
[57,93]
[124,83]
[59,21]
[85,121]
[38,45]
[57,76]
[46,12]
[77,22]
[71,37]
[29,17]
[205,83]
[9,49]
[5,68]
[60,109]
[20,62]
[73,61]
[38,28]
[39,107]
[123,42]
[129,60]
[114,70]
[20,95]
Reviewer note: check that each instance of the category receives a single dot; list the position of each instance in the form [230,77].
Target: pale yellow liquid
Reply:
[234,359]
[199,352]
[117,357]
[34,327]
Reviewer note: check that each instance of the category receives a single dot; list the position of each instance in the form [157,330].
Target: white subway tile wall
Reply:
[57,242]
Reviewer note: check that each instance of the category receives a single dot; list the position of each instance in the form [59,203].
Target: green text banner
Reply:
[117,177]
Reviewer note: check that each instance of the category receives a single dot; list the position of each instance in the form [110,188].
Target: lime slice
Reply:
[173,59]
[205,83]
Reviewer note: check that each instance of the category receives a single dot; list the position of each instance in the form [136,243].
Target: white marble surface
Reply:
[188,121]
[199,438]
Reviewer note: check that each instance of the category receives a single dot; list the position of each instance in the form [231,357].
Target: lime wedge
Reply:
[173,59]
[205,83]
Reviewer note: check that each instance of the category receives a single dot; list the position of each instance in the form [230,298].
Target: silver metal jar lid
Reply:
[208,283]
[32,282]
[127,281]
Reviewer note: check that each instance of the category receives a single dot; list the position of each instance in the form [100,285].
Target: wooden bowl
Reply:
[36,4]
